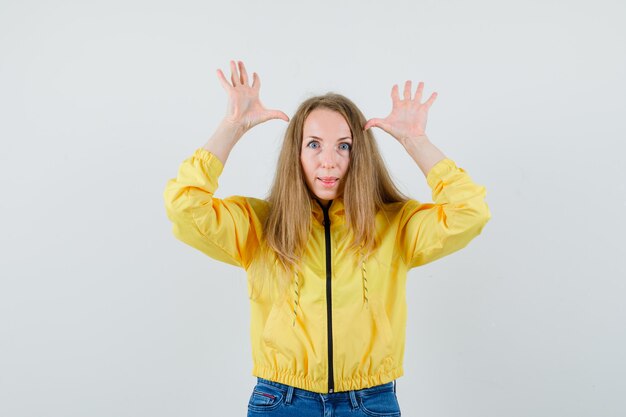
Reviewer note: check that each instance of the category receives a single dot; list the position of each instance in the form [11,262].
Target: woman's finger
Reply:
[407,90]
[395,97]
[244,74]
[233,73]
[277,114]
[430,100]
[375,122]
[223,80]
[418,92]
[256,81]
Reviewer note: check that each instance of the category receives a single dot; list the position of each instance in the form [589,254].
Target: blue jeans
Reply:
[274,399]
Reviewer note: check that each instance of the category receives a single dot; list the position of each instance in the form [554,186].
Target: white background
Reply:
[103,313]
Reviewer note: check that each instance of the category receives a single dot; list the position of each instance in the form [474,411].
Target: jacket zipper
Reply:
[329,312]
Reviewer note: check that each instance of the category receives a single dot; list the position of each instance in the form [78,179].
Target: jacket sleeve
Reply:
[224,229]
[433,230]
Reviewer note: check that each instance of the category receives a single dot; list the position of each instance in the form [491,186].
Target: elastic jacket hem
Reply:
[321,385]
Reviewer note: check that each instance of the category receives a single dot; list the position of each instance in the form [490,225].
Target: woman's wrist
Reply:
[415,140]
[224,139]
[423,152]
[231,130]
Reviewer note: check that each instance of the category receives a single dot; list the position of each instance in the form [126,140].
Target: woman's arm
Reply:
[423,152]
[429,231]
[459,212]
[224,229]
[224,140]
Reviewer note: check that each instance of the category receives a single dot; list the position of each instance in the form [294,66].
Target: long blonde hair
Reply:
[368,187]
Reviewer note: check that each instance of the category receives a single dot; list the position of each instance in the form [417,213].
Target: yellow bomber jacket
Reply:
[344,327]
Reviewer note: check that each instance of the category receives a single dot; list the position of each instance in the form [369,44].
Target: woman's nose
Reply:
[328,158]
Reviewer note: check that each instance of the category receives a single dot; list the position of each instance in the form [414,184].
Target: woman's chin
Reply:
[327,194]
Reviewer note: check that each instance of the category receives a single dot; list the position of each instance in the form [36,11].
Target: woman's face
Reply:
[325,153]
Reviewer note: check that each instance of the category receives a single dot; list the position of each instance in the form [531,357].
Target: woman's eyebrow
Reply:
[315,137]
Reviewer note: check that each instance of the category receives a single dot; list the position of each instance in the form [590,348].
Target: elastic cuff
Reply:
[210,159]
[440,169]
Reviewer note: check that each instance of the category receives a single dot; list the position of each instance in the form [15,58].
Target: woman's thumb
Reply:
[373,123]
[277,114]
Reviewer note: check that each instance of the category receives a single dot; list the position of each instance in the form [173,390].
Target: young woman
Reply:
[327,253]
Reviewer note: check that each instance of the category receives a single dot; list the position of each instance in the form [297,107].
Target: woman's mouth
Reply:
[328,182]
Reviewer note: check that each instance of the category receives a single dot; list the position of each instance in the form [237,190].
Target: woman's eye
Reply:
[345,147]
[313,144]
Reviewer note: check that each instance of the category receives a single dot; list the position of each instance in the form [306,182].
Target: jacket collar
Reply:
[336,211]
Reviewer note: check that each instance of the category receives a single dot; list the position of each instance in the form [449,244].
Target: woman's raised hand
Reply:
[408,117]
[245,109]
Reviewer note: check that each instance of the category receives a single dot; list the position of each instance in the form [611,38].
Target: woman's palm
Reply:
[244,105]
[408,116]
